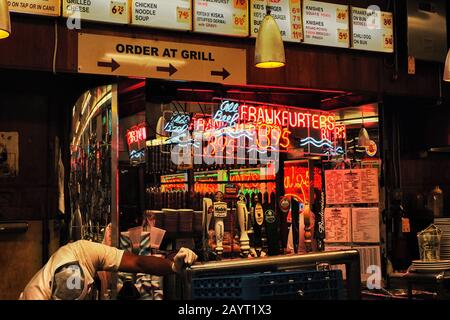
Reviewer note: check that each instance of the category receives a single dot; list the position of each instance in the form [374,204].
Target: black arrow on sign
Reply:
[113,64]
[170,69]
[224,73]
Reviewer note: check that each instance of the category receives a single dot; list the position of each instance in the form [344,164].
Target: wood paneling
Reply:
[20,259]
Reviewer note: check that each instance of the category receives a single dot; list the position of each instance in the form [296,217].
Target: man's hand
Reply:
[185,257]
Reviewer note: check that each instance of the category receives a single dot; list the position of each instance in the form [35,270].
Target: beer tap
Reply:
[244,240]
[220,213]
[206,220]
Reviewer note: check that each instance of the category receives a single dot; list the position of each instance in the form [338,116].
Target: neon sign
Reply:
[136,134]
[174,183]
[286,118]
[228,113]
[178,123]
[297,182]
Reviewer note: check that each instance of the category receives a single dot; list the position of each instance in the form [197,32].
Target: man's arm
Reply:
[155,265]
[145,264]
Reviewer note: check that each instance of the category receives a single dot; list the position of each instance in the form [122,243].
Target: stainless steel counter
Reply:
[350,258]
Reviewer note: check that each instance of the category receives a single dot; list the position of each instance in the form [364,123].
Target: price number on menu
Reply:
[183,15]
[295,10]
[387,21]
[343,35]
[297,35]
[117,9]
[341,15]
[240,4]
[239,21]
[388,41]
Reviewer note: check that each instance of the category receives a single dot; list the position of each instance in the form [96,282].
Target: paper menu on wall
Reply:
[351,186]
[337,224]
[366,225]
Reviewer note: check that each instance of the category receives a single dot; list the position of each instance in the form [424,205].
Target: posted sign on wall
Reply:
[224,17]
[175,14]
[372,30]
[326,24]
[113,11]
[40,7]
[287,14]
[122,56]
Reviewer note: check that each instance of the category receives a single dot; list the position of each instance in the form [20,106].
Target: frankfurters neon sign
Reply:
[286,118]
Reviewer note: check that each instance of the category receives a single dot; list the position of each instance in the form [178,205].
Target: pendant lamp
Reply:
[5,23]
[269,48]
[363,136]
[447,67]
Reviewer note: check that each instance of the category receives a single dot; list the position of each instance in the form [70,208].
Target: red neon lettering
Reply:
[243,112]
[308,120]
[315,121]
[331,123]
[261,115]
[285,117]
[323,121]
[252,114]
[301,120]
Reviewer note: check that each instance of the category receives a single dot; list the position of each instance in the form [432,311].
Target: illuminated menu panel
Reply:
[326,24]
[287,14]
[39,7]
[224,17]
[113,11]
[174,182]
[372,30]
[174,14]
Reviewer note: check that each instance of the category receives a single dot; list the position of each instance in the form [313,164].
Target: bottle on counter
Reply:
[128,290]
[436,202]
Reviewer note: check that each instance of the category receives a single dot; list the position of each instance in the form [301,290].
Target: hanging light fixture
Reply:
[447,67]
[363,136]
[5,22]
[269,48]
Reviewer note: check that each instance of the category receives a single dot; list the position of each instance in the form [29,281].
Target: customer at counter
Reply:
[70,272]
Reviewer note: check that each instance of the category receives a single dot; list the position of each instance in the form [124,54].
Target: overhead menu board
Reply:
[372,30]
[287,14]
[224,17]
[174,14]
[39,7]
[351,186]
[113,11]
[326,24]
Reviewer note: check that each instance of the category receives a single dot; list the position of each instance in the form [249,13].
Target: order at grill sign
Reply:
[220,209]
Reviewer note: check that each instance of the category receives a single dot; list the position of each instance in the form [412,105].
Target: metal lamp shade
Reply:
[363,138]
[5,23]
[447,67]
[269,48]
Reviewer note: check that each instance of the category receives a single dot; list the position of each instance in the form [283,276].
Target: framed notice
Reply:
[9,154]
[113,11]
[224,17]
[38,7]
[366,225]
[372,30]
[337,224]
[326,24]
[174,14]
[287,14]
[351,186]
